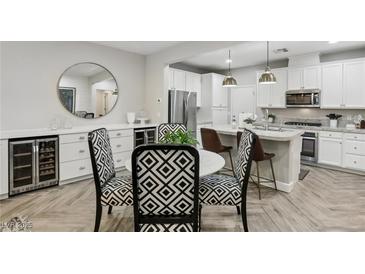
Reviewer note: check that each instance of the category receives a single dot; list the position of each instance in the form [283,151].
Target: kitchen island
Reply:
[285,143]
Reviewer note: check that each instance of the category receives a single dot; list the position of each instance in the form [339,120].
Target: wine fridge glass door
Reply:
[22,165]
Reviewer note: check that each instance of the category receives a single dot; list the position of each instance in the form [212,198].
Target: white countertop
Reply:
[285,135]
[8,134]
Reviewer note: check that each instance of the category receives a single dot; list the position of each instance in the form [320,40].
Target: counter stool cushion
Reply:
[117,191]
[220,190]
[166,227]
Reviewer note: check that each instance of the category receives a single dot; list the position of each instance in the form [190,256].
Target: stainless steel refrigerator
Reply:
[182,109]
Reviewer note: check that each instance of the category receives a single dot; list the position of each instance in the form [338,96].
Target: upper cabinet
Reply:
[354,84]
[185,81]
[343,85]
[331,93]
[304,78]
[273,95]
[213,93]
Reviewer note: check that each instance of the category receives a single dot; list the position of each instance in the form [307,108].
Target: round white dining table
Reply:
[209,162]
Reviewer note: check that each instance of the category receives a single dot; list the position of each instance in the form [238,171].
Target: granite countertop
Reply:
[322,128]
[21,133]
[285,135]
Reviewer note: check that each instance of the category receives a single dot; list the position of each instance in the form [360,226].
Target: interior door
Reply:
[242,100]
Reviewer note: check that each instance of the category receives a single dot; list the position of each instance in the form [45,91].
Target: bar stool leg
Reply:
[258,179]
[238,210]
[230,157]
[273,174]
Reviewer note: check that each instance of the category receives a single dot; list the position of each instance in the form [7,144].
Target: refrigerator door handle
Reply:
[36,162]
[186,101]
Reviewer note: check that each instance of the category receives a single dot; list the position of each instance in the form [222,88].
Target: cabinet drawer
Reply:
[121,144]
[120,158]
[355,147]
[354,136]
[74,169]
[331,134]
[73,138]
[74,151]
[354,161]
[120,133]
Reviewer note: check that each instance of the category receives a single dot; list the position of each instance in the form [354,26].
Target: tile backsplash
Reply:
[312,115]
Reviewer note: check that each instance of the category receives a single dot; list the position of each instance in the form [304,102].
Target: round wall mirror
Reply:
[88,90]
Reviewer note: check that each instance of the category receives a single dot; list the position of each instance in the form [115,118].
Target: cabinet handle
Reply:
[81,151]
[119,145]
[82,138]
[82,168]
[355,147]
[355,137]
[119,134]
[330,134]
[119,160]
[355,162]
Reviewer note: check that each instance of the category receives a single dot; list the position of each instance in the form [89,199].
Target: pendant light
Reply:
[267,77]
[229,81]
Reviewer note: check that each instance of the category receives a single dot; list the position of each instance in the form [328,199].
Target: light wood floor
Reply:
[325,200]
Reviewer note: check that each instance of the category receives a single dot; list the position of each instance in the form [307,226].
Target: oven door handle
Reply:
[309,138]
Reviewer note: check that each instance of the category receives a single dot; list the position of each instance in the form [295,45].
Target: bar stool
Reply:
[211,142]
[259,156]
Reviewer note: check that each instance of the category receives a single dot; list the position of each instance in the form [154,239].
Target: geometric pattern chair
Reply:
[223,190]
[166,127]
[110,190]
[165,188]
[258,156]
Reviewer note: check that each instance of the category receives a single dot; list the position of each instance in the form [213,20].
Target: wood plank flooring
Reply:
[325,200]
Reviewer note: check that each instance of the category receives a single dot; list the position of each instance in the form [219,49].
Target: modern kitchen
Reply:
[304,100]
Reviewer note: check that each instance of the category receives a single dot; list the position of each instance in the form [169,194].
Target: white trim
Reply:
[285,187]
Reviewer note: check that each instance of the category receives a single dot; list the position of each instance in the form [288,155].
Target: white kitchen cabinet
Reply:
[331,95]
[177,79]
[193,84]
[219,116]
[330,151]
[219,93]
[354,84]
[304,78]
[354,151]
[3,169]
[295,79]
[273,95]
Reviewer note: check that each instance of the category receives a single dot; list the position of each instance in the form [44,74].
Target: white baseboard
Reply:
[4,196]
[285,187]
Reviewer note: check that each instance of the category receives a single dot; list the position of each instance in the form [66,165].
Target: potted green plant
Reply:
[179,137]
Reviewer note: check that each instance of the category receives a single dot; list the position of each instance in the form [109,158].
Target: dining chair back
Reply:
[165,188]
[169,127]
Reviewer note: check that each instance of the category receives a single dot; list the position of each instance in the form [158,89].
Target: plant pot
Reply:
[333,123]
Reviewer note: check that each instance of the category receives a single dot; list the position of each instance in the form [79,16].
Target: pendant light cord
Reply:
[229,62]
[267,53]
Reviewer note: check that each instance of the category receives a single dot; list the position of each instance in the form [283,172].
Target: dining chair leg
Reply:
[238,210]
[258,179]
[110,209]
[200,217]
[273,174]
[244,214]
[230,157]
[99,211]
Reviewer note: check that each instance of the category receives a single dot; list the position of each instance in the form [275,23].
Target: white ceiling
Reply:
[254,53]
[140,47]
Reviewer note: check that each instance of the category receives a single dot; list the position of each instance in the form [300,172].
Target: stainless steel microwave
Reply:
[305,98]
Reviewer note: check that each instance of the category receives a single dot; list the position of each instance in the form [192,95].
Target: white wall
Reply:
[30,72]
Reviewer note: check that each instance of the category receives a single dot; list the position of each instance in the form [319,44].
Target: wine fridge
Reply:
[33,164]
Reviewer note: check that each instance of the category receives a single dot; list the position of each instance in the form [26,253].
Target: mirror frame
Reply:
[81,63]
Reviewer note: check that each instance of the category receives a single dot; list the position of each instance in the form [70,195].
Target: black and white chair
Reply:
[165,188]
[110,190]
[166,127]
[223,190]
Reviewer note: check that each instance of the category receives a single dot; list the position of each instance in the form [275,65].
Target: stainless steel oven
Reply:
[309,147]
[303,98]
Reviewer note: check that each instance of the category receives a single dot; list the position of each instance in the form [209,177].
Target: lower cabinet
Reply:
[330,151]
[75,161]
[354,151]
[4,169]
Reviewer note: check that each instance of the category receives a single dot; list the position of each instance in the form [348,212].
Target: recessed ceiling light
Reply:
[332,42]
[278,51]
